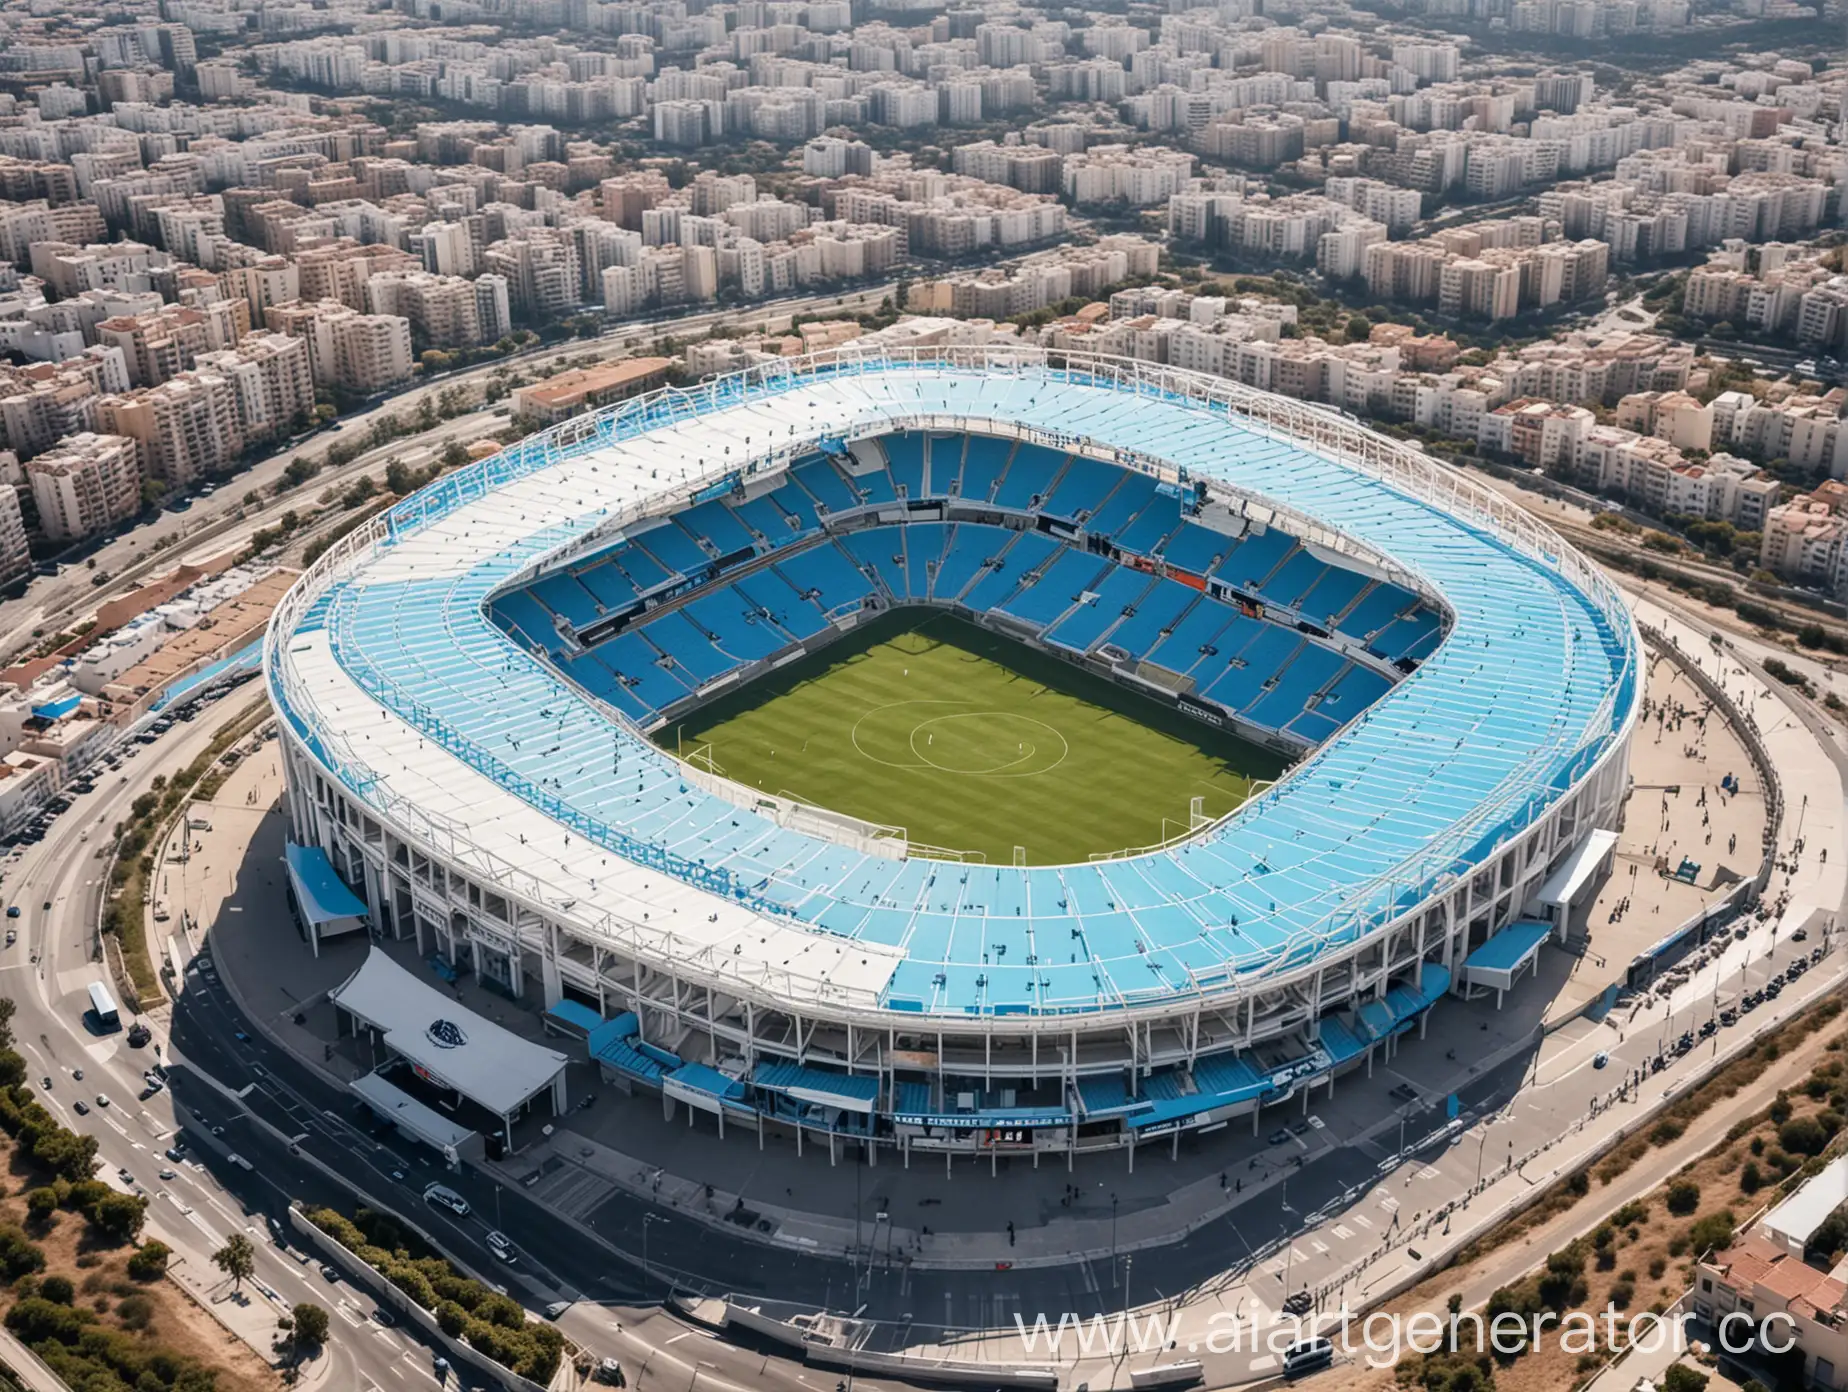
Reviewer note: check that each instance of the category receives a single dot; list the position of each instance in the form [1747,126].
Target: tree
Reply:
[1681,1378]
[119,1216]
[310,1325]
[149,1263]
[237,1259]
[1683,1197]
[455,455]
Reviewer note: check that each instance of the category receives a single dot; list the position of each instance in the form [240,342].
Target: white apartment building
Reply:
[89,484]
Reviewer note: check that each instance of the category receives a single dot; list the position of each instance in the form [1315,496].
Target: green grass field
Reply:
[974,743]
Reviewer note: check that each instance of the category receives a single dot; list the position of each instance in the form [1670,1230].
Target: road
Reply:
[52,603]
[209,1197]
[46,973]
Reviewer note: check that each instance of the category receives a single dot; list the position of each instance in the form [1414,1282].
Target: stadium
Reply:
[959,749]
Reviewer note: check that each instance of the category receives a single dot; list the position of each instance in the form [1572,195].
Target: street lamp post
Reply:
[1113,1233]
[648,1219]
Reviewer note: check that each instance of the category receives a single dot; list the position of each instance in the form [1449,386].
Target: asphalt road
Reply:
[46,972]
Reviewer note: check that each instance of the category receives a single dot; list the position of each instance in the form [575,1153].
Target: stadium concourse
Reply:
[466,685]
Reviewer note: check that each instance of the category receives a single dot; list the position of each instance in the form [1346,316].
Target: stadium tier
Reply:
[467,684]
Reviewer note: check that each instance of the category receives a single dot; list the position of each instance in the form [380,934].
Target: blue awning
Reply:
[818,1086]
[1173,1109]
[572,1018]
[1507,952]
[618,1055]
[698,1077]
[322,895]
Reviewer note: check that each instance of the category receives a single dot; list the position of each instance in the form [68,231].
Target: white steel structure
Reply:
[505,817]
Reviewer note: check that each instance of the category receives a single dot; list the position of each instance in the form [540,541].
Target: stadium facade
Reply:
[465,686]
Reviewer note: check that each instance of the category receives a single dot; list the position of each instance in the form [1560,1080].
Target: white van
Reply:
[1306,1355]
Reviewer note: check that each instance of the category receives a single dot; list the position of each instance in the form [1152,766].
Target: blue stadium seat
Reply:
[1199,628]
[1158,518]
[798,505]
[905,459]
[716,523]
[923,550]
[1376,608]
[827,569]
[1255,558]
[673,548]
[607,584]
[1082,488]
[1313,668]
[825,485]
[674,634]
[1197,549]
[1030,474]
[522,615]
[1121,507]
[984,460]
[642,569]
[1118,591]
[734,622]
[874,487]
[1160,607]
[883,548]
[1070,574]
[564,596]
[1293,579]
[1332,594]
[1029,551]
[970,543]
[763,516]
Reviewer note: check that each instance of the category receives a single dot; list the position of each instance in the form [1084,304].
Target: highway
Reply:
[52,603]
[46,973]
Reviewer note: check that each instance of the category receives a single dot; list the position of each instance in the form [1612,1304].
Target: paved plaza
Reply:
[1368,1190]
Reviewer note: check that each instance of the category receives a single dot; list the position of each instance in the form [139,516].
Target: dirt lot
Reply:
[158,1312]
[1639,1256]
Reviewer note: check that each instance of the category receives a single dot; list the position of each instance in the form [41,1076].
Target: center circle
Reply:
[987,744]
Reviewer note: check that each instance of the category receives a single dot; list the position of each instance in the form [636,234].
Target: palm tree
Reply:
[237,1259]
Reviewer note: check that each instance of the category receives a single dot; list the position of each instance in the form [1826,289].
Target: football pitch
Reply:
[972,742]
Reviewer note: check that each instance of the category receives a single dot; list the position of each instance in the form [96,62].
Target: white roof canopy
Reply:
[408,1114]
[459,1049]
[1576,870]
